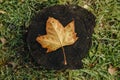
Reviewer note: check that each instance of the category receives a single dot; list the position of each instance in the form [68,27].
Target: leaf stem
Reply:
[65,61]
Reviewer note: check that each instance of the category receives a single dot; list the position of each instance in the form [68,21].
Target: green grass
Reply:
[105,48]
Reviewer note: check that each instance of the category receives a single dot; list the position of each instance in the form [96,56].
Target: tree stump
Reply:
[84,27]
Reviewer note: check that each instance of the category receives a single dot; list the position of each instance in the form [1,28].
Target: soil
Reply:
[84,27]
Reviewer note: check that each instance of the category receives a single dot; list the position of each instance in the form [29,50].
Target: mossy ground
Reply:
[105,50]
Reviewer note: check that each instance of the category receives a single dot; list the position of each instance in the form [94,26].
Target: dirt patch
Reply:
[84,27]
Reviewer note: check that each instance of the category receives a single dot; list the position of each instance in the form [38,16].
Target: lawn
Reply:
[101,63]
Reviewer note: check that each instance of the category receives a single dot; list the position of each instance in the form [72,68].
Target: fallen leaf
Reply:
[12,64]
[2,12]
[112,70]
[57,36]
[86,6]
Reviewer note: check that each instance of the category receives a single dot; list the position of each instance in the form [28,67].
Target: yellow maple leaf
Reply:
[57,36]
[112,70]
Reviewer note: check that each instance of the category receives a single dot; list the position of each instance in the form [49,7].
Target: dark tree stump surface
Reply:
[84,27]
